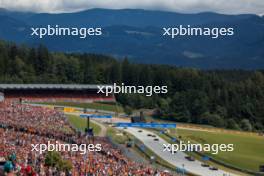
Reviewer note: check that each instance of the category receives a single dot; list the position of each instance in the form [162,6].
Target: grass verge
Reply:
[80,123]
[248,149]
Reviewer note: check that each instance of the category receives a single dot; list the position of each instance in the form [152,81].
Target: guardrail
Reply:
[2,97]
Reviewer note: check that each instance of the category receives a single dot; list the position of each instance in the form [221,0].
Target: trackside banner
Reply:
[147,125]
[95,116]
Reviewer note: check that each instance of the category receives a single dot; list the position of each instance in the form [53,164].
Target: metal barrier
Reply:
[2,97]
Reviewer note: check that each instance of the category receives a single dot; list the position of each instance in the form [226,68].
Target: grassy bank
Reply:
[248,149]
[80,124]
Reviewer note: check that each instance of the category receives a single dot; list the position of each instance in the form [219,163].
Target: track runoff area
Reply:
[183,163]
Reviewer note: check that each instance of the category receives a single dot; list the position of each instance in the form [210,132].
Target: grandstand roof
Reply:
[50,86]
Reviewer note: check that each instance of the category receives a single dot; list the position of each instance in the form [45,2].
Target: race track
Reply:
[177,159]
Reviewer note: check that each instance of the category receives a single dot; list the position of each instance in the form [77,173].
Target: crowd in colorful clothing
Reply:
[22,125]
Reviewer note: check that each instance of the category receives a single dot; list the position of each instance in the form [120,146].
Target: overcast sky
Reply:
[188,6]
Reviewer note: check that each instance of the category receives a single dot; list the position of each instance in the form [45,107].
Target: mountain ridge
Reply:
[137,34]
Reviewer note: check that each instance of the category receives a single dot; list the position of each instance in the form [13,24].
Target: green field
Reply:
[80,124]
[98,106]
[117,136]
[248,149]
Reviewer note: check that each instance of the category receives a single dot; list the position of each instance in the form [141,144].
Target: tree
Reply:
[246,125]
[115,73]
[65,165]
[52,158]
[145,76]
[196,96]
[164,105]
[127,72]
[232,124]
[128,110]
[42,61]
[89,73]
[212,119]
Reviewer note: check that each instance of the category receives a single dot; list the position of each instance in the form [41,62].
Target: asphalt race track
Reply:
[177,159]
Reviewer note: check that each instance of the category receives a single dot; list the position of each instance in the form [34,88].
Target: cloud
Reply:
[188,6]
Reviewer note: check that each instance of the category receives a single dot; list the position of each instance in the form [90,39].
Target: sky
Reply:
[184,6]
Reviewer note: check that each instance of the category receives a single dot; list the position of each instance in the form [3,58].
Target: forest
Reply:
[232,99]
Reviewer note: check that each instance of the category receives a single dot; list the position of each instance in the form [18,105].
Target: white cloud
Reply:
[189,6]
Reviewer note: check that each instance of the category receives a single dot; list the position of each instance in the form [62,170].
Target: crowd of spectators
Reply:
[22,125]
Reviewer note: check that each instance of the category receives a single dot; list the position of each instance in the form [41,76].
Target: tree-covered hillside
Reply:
[224,98]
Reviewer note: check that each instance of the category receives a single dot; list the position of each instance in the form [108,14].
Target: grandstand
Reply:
[54,92]
[22,125]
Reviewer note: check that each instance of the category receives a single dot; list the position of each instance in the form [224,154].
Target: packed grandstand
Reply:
[22,125]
